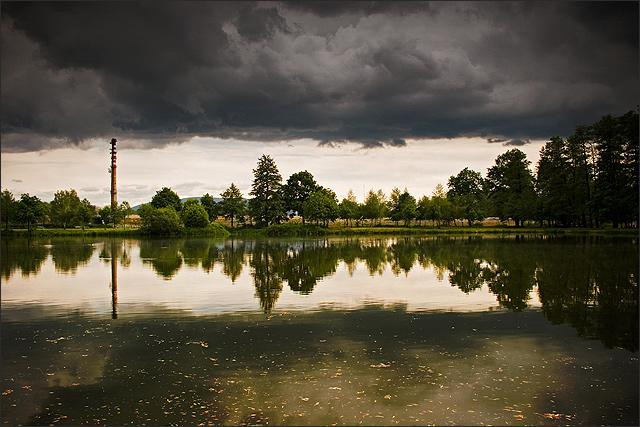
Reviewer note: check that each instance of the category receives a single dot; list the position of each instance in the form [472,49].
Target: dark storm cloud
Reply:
[334,8]
[374,73]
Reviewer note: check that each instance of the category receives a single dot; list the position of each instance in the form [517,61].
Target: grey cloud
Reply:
[382,73]
[517,142]
[16,180]
[334,8]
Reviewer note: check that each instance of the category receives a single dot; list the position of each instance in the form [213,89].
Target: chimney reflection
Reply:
[114,281]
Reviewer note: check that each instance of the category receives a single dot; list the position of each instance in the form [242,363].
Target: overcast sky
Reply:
[366,93]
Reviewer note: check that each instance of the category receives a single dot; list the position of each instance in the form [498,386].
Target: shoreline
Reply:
[296,230]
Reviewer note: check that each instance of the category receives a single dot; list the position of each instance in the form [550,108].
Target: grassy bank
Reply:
[310,230]
[213,230]
[299,230]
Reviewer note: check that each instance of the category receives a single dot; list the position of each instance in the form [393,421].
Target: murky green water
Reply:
[332,331]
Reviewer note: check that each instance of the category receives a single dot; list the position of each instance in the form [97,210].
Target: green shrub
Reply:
[194,216]
[163,221]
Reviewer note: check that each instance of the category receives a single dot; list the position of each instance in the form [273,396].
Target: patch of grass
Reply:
[478,230]
[215,229]
[55,232]
[297,230]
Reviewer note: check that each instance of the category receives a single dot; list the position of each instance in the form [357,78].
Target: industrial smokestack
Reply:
[112,170]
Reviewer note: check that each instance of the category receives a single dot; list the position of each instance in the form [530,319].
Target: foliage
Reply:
[210,206]
[510,185]
[349,208]
[214,229]
[162,221]
[322,205]
[616,182]
[591,177]
[166,198]
[374,206]
[232,205]
[266,205]
[466,193]
[553,182]
[194,215]
[65,208]
[106,214]
[30,210]
[297,190]
[440,208]
[86,212]
[189,202]
[114,216]
[401,206]
[7,207]
[392,204]
[405,209]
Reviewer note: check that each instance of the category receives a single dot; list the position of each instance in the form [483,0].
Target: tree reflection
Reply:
[68,254]
[195,251]
[24,254]
[593,287]
[590,283]
[265,262]
[163,255]
[305,264]
[233,259]
[402,255]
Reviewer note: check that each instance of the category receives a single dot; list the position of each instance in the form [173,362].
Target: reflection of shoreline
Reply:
[588,283]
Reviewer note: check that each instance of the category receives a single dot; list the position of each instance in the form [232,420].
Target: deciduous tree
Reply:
[297,190]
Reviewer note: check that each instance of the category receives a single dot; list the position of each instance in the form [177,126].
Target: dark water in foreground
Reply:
[330,331]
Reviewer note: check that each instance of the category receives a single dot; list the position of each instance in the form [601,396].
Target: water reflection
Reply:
[367,366]
[114,279]
[25,255]
[590,283]
[382,362]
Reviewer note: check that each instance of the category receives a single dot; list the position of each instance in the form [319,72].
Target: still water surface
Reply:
[325,331]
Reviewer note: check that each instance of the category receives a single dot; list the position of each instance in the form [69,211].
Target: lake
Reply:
[475,330]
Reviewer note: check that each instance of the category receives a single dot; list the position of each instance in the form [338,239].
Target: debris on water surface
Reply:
[556,416]
[202,344]
[381,365]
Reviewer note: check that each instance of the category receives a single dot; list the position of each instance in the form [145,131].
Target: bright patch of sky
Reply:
[209,165]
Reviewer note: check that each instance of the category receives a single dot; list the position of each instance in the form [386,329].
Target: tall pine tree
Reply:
[266,206]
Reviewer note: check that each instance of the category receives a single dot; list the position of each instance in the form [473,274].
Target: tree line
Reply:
[587,179]
[65,210]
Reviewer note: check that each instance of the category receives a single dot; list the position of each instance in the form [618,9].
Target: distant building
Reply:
[132,219]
